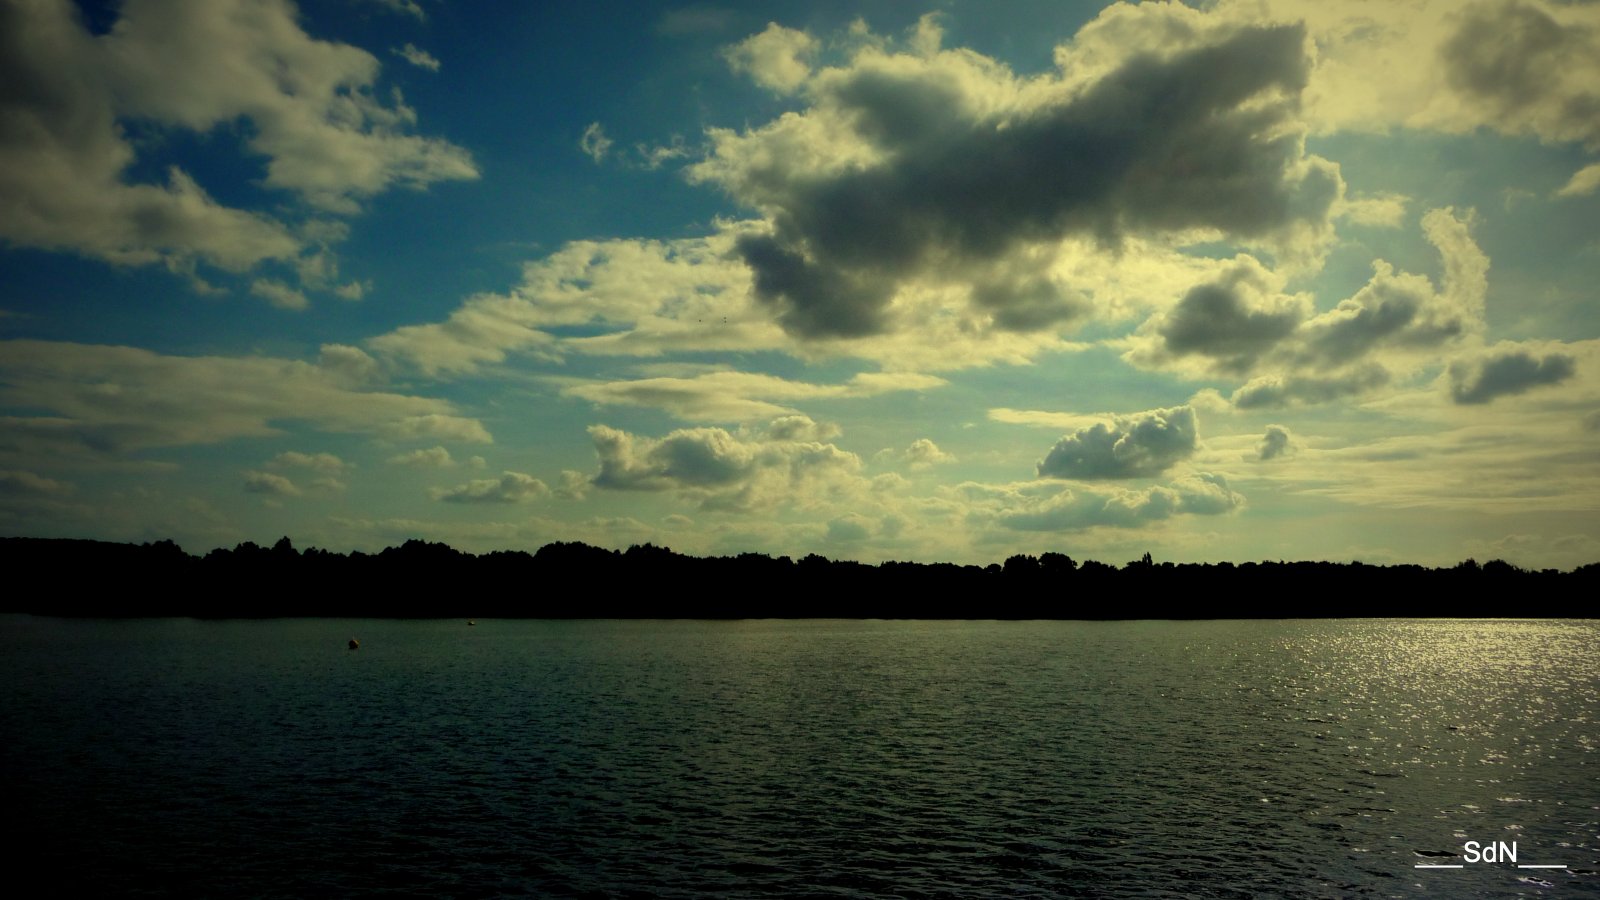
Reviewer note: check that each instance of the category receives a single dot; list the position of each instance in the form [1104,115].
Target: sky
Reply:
[942,281]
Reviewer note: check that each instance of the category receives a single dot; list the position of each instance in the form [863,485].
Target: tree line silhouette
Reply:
[575,580]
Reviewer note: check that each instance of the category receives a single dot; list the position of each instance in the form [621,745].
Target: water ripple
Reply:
[838,759]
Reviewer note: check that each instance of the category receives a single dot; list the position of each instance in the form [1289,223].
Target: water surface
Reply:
[830,758]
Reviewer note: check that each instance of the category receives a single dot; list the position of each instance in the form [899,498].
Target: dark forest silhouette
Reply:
[574,580]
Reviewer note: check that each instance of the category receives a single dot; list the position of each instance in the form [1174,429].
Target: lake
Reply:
[811,757]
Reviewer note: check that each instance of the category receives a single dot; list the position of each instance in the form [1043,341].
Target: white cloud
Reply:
[279,294]
[1537,465]
[1519,67]
[1241,324]
[739,396]
[15,483]
[640,298]
[438,426]
[271,484]
[403,7]
[1042,506]
[351,364]
[574,485]
[200,63]
[62,159]
[1047,419]
[644,297]
[430,458]
[1532,458]
[924,453]
[801,428]
[102,399]
[318,462]
[654,156]
[594,142]
[1384,210]
[1583,182]
[694,20]
[195,64]
[775,58]
[1537,551]
[416,56]
[510,487]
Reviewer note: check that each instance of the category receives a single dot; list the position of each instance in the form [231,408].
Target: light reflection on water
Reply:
[1294,758]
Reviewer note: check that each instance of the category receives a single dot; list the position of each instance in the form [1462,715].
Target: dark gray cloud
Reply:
[1128,447]
[1275,443]
[814,300]
[1027,302]
[1506,373]
[1518,61]
[1227,321]
[1204,138]
[1284,390]
[1388,311]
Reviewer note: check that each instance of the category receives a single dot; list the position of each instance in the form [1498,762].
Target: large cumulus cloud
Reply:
[906,168]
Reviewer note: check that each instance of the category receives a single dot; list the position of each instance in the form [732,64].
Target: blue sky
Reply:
[937,281]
